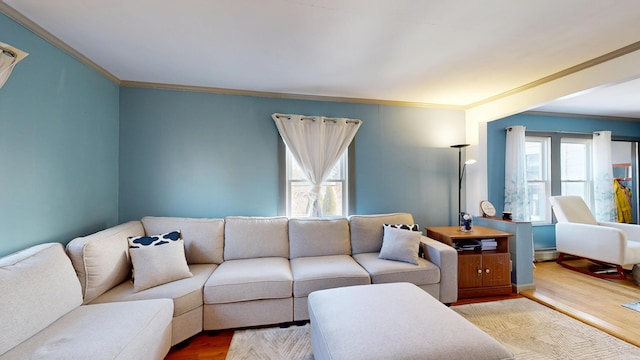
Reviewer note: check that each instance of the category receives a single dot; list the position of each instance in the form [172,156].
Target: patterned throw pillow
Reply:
[412,227]
[158,259]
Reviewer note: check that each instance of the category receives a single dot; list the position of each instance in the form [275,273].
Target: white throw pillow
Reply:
[400,245]
[158,259]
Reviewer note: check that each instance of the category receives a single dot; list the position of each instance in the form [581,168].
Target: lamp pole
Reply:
[460,175]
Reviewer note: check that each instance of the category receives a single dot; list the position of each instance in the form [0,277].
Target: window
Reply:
[575,177]
[538,150]
[333,193]
[571,174]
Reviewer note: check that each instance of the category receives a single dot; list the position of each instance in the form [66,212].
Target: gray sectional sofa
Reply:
[247,271]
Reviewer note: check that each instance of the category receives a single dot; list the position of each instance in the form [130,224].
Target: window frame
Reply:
[555,155]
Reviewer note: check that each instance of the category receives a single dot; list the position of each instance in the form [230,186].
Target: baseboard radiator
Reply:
[545,255]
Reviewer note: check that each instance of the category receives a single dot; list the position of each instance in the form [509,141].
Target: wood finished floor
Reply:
[594,301]
[597,302]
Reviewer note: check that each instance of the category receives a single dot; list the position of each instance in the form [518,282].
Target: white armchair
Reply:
[579,234]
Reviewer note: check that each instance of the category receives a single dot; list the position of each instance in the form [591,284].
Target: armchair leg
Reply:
[620,275]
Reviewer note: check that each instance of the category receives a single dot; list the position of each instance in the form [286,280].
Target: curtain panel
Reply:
[603,187]
[316,143]
[516,197]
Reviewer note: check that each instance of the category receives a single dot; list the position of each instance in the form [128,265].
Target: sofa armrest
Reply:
[632,230]
[446,258]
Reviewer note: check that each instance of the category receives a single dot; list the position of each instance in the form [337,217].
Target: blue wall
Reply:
[58,146]
[544,235]
[211,155]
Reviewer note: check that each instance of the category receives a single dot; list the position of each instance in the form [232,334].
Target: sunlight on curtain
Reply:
[316,143]
[516,198]
[604,199]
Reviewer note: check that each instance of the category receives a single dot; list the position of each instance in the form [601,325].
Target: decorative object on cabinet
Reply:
[466,222]
[488,210]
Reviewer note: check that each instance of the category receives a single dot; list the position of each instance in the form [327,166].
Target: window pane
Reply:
[534,154]
[574,161]
[575,188]
[538,198]
[299,199]
[330,197]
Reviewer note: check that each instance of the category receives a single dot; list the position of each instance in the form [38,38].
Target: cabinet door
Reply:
[496,269]
[469,271]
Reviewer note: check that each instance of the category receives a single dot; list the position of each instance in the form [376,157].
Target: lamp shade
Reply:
[9,57]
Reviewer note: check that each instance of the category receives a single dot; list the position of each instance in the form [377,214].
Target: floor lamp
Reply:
[461,168]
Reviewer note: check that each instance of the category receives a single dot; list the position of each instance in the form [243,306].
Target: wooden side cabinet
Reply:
[480,273]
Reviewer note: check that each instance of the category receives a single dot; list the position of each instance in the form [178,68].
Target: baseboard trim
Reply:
[518,288]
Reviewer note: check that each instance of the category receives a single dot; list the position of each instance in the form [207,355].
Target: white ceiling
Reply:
[452,53]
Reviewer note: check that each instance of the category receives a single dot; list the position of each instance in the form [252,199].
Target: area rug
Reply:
[533,331]
[293,343]
[530,330]
[633,306]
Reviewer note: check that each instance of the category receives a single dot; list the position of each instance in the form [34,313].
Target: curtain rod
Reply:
[334,120]
[558,132]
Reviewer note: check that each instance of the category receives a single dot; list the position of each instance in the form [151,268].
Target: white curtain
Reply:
[9,57]
[316,143]
[604,200]
[516,197]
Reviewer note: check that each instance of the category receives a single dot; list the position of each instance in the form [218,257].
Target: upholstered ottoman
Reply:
[393,321]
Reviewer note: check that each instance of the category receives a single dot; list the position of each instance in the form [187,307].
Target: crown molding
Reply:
[582,116]
[267,94]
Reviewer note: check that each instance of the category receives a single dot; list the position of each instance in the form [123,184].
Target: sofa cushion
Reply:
[186,293]
[253,237]
[319,237]
[366,230]
[388,271]
[102,259]
[400,245]
[157,259]
[38,287]
[125,330]
[324,272]
[249,279]
[203,238]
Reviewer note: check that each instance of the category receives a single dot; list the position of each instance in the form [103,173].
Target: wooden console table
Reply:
[480,272]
